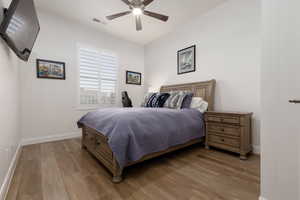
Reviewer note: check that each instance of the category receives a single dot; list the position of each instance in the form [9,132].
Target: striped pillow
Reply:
[176,99]
[182,95]
[172,100]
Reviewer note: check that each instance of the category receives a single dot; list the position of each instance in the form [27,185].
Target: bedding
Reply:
[172,100]
[199,104]
[146,99]
[177,99]
[157,100]
[135,132]
[182,96]
[187,100]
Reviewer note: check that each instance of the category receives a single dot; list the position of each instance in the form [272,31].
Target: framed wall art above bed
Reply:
[186,60]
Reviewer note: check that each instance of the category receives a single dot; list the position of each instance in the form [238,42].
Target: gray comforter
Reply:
[135,132]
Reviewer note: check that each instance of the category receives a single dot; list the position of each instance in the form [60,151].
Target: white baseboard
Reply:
[10,173]
[262,198]
[256,149]
[51,138]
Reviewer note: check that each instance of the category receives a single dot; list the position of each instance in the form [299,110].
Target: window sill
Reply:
[86,108]
[96,107]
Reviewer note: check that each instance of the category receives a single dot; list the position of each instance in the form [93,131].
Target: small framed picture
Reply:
[134,78]
[186,60]
[50,69]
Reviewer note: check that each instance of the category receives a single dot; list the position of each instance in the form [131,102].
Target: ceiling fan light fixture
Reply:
[138,8]
[137,11]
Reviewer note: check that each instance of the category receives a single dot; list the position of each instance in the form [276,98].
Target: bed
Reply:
[99,145]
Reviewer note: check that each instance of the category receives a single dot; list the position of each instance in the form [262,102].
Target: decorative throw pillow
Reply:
[171,102]
[199,104]
[151,100]
[162,99]
[146,99]
[158,100]
[187,100]
[182,95]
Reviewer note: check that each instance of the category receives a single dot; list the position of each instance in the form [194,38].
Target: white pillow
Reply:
[199,104]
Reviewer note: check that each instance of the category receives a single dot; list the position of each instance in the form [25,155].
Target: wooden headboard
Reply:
[205,90]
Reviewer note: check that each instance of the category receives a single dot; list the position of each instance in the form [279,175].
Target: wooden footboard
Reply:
[97,144]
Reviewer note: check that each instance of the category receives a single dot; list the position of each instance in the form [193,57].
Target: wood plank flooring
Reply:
[63,171]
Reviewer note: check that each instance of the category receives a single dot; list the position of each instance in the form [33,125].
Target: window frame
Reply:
[82,107]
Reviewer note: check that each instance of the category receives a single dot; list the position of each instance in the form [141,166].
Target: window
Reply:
[98,77]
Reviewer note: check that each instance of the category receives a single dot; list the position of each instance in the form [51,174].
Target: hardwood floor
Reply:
[62,171]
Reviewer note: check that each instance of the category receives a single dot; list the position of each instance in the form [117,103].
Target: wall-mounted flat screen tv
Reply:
[20,27]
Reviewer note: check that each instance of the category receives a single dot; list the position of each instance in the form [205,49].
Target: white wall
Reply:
[228,50]
[280,82]
[9,107]
[49,106]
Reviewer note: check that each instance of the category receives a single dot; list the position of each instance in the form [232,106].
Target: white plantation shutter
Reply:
[109,72]
[98,77]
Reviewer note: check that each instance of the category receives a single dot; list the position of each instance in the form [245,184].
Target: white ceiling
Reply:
[179,11]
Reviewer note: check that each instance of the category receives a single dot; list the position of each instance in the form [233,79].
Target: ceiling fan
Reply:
[137,8]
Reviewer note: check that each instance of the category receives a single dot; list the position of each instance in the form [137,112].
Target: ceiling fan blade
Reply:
[127,2]
[111,17]
[147,2]
[156,15]
[138,23]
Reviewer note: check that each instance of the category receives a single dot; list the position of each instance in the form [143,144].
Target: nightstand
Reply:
[229,131]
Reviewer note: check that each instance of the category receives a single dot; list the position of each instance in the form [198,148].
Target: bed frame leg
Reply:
[117,179]
[82,139]
[82,145]
[117,172]
[117,176]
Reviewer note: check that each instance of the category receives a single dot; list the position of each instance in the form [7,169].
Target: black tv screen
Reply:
[20,27]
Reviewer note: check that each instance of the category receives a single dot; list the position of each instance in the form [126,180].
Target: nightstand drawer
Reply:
[224,129]
[229,131]
[224,140]
[224,119]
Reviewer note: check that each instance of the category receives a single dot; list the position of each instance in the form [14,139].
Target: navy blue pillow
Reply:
[151,99]
[162,99]
[157,100]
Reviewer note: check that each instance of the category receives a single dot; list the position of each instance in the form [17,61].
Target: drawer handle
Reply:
[222,140]
[222,129]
